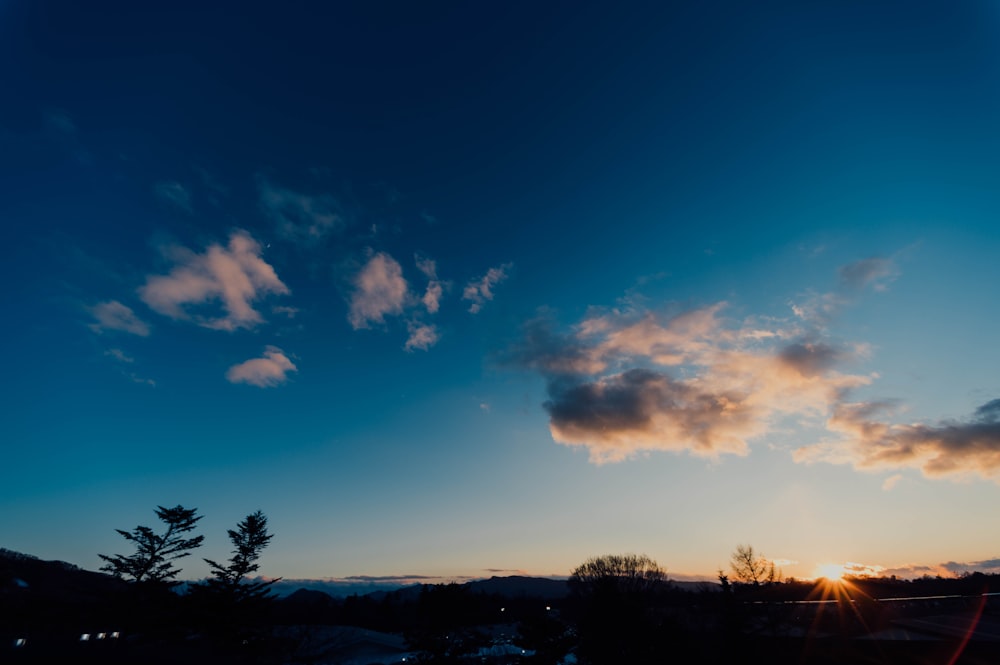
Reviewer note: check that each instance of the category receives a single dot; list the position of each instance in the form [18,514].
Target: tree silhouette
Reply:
[751,567]
[249,538]
[615,598]
[621,573]
[155,553]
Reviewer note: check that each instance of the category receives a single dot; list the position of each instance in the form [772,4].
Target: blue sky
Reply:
[454,289]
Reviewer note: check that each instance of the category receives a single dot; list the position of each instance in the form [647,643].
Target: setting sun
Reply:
[831,571]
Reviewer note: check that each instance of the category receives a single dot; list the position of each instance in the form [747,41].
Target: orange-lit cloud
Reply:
[265,372]
[947,449]
[432,296]
[113,315]
[422,336]
[479,291]
[622,384]
[233,276]
[379,291]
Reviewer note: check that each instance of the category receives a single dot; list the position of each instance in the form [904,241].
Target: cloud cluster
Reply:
[268,371]
[950,448]
[299,217]
[113,315]
[233,277]
[627,383]
[479,291]
[379,291]
[630,382]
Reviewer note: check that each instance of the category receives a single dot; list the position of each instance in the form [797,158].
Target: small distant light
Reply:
[101,636]
[502,609]
[20,642]
[547,608]
[85,637]
[115,635]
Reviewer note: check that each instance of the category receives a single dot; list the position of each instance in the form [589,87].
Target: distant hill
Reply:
[24,574]
[521,586]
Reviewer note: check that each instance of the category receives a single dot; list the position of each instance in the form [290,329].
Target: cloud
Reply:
[988,566]
[627,383]
[890,482]
[480,291]
[125,359]
[119,355]
[233,276]
[299,217]
[874,272]
[175,194]
[877,272]
[432,296]
[855,569]
[290,312]
[422,336]
[113,315]
[379,290]
[951,448]
[265,372]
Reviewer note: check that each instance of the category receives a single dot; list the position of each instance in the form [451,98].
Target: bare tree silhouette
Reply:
[751,567]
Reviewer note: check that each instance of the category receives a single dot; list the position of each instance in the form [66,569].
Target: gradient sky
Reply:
[460,289]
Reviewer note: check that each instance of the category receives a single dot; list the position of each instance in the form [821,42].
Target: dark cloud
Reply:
[543,349]
[811,358]
[986,566]
[621,384]
[949,448]
[389,578]
[644,410]
[989,412]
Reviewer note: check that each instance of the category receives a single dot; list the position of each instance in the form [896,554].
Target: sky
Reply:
[451,290]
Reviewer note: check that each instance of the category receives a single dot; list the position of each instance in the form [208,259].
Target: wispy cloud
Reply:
[175,194]
[127,360]
[876,272]
[626,383]
[113,315]
[422,336]
[379,291]
[951,448]
[268,371]
[119,355]
[479,291]
[233,276]
[299,217]
[891,482]
[62,129]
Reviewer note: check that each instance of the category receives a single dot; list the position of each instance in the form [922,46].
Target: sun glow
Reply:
[833,572]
